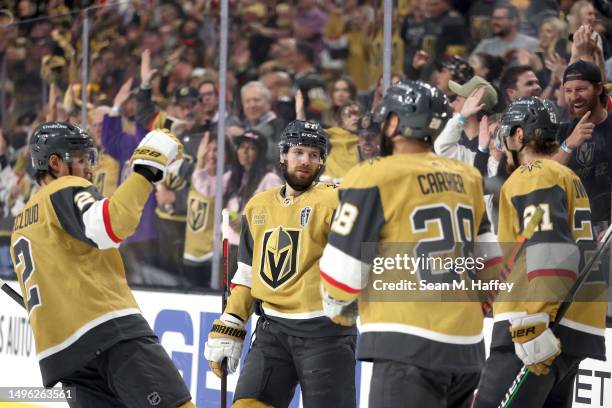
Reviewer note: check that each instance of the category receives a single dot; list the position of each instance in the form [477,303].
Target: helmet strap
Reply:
[515,158]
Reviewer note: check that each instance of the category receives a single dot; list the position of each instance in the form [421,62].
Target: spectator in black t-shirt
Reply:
[586,147]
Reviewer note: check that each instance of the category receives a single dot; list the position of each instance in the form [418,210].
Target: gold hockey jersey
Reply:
[343,154]
[200,228]
[281,242]
[106,175]
[551,259]
[415,207]
[64,249]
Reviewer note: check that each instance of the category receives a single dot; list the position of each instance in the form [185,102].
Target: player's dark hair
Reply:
[39,176]
[541,144]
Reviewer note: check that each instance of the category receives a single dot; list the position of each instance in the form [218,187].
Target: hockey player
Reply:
[284,230]
[425,353]
[88,329]
[546,271]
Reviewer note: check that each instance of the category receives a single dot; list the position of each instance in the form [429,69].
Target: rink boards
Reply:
[182,323]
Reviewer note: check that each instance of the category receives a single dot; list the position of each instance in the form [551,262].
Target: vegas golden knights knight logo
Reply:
[279,258]
[197,214]
[174,180]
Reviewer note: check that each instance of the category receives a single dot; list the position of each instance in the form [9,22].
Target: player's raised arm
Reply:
[59,148]
[151,160]
[64,242]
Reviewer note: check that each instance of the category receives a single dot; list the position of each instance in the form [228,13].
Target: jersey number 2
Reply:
[24,264]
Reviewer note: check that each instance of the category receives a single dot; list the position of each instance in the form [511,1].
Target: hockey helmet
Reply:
[423,109]
[303,133]
[62,139]
[530,113]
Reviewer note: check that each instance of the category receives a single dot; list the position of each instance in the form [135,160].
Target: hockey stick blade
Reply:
[565,305]
[12,293]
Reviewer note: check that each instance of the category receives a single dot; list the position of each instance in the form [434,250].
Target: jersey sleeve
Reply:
[98,221]
[580,211]
[70,205]
[357,220]
[584,234]
[244,273]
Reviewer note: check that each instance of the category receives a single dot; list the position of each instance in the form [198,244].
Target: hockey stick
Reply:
[507,266]
[12,293]
[565,305]
[225,214]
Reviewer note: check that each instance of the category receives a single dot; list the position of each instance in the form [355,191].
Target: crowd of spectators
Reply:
[153,64]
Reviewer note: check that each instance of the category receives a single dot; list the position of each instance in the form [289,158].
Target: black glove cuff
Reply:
[147,173]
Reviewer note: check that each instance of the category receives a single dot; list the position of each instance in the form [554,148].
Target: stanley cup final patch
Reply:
[305,216]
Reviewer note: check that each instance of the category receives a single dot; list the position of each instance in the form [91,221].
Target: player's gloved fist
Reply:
[225,342]
[534,343]
[341,312]
[157,150]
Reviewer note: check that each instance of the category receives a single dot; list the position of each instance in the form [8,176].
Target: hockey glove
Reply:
[534,343]
[341,312]
[158,149]
[225,342]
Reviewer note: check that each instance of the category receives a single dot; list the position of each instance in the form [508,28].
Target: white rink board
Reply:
[182,323]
